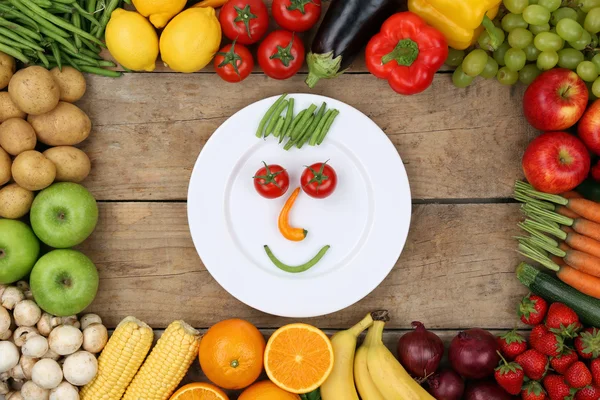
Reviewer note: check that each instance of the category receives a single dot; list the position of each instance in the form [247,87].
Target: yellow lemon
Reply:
[159,11]
[132,40]
[191,39]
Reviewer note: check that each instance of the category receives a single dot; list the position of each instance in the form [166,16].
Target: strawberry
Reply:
[557,388]
[587,343]
[512,344]
[578,375]
[562,320]
[563,361]
[533,391]
[595,369]
[588,393]
[537,332]
[549,344]
[532,309]
[510,376]
[534,364]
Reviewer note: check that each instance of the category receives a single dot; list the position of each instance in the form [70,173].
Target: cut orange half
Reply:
[199,391]
[298,358]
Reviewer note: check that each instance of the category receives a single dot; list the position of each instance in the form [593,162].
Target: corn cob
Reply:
[120,360]
[166,365]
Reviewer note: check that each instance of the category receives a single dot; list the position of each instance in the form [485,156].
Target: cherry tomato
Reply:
[319,180]
[281,54]
[234,62]
[296,15]
[271,181]
[244,20]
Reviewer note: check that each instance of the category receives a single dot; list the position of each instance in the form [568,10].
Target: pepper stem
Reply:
[491,30]
[405,53]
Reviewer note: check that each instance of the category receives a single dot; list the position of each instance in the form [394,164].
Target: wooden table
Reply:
[461,148]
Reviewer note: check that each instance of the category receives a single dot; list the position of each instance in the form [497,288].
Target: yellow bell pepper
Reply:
[460,21]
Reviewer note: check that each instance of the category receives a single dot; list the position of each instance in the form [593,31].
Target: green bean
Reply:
[43,58]
[70,61]
[56,54]
[276,114]
[12,43]
[65,1]
[43,3]
[65,42]
[60,8]
[321,124]
[86,15]
[82,57]
[39,20]
[93,48]
[300,268]
[289,115]
[327,126]
[107,63]
[20,29]
[76,20]
[12,13]
[301,124]
[101,71]
[91,6]
[295,121]
[267,116]
[20,39]
[279,126]
[313,129]
[90,53]
[306,133]
[14,53]
[112,5]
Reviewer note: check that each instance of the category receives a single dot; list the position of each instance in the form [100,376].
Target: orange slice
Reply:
[199,391]
[298,358]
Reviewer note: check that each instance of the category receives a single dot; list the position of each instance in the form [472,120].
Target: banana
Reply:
[364,383]
[392,380]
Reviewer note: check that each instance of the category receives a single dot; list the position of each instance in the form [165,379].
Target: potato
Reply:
[66,125]
[72,164]
[17,136]
[70,82]
[34,90]
[33,171]
[8,109]
[5,167]
[15,201]
[7,69]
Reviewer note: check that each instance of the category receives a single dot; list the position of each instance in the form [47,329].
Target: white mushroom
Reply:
[27,313]
[17,373]
[11,296]
[51,354]
[47,374]
[4,389]
[80,368]
[27,364]
[89,319]
[95,337]
[2,288]
[6,335]
[46,323]
[23,333]
[64,391]
[24,286]
[35,346]
[9,356]
[4,320]
[31,391]
[71,320]
[65,339]
[14,396]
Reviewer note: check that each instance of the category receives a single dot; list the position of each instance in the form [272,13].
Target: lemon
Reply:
[132,40]
[159,11]
[191,39]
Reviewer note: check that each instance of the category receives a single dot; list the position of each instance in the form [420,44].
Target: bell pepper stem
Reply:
[405,53]
[491,30]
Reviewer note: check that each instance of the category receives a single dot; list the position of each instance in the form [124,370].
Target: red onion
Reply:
[446,385]
[473,354]
[486,390]
[420,351]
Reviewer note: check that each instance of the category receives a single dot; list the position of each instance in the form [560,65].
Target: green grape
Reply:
[587,71]
[512,21]
[533,1]
[507,77]
[485,42]
[596,61]
[516,6]
[548,41]
[569,58]
[535,29]
[536,15]
[455,57]
[596,87]
[562,13]
[474,62]
[520,38]
[460,79]
[580,16]
[500,52]
[547,60]
[531,52]
[529,73]
[515,59]
[490,70]
[592,21]
[569,30]
[587,5]
[551,5]
[594,41]
[582,42]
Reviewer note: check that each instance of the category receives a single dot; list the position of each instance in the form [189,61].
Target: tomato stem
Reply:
[284,53]
[318,177]
[269,177]
[299,5]
[244,15]
[231,58]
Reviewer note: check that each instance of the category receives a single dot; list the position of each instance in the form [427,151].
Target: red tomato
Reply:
[281,54]
[296,15]
[319,180]
[271,181]
[244,20]
[234,62]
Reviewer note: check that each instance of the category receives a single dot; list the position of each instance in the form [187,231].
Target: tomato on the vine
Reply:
[319,180]
[296,15]
[246,21]
[281,54]
[271,181]
[234,62]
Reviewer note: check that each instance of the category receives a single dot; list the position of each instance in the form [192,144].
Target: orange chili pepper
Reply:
[290,233]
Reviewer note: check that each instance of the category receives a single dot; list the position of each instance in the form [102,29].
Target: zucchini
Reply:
[553,290]
[589,189]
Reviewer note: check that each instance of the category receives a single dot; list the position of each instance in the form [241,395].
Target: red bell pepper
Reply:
[407,53]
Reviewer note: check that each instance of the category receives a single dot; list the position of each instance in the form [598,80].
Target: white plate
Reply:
[365,220]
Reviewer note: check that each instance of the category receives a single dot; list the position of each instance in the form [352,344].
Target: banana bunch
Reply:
[374,369]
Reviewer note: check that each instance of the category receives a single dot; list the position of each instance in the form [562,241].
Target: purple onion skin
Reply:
[420,351]
[473,354]
[446,385]
[486,390]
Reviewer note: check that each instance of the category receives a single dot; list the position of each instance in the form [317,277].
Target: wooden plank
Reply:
[456,271]
[150,128]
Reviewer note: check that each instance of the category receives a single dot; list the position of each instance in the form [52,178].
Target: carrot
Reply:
[566,229]
[583,262]
[559,261]
[580,225]
[581,281]
[562,210]
[583,243]
[588,228]
[588,209]
[563,246]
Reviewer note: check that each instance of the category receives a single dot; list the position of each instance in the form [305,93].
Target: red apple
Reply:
[595,172]
[589,127]
[556,162]
[555,100]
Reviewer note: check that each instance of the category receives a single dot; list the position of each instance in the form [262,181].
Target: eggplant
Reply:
[346,29]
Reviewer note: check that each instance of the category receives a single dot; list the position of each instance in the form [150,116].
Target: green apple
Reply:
[64,282]
[64,215]
[19,250]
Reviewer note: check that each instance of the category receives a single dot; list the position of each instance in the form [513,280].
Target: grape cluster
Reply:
[535,36]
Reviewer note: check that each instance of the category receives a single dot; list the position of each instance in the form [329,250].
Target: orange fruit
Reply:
[231,354]
[199,391]
[267,390]
[298,358]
